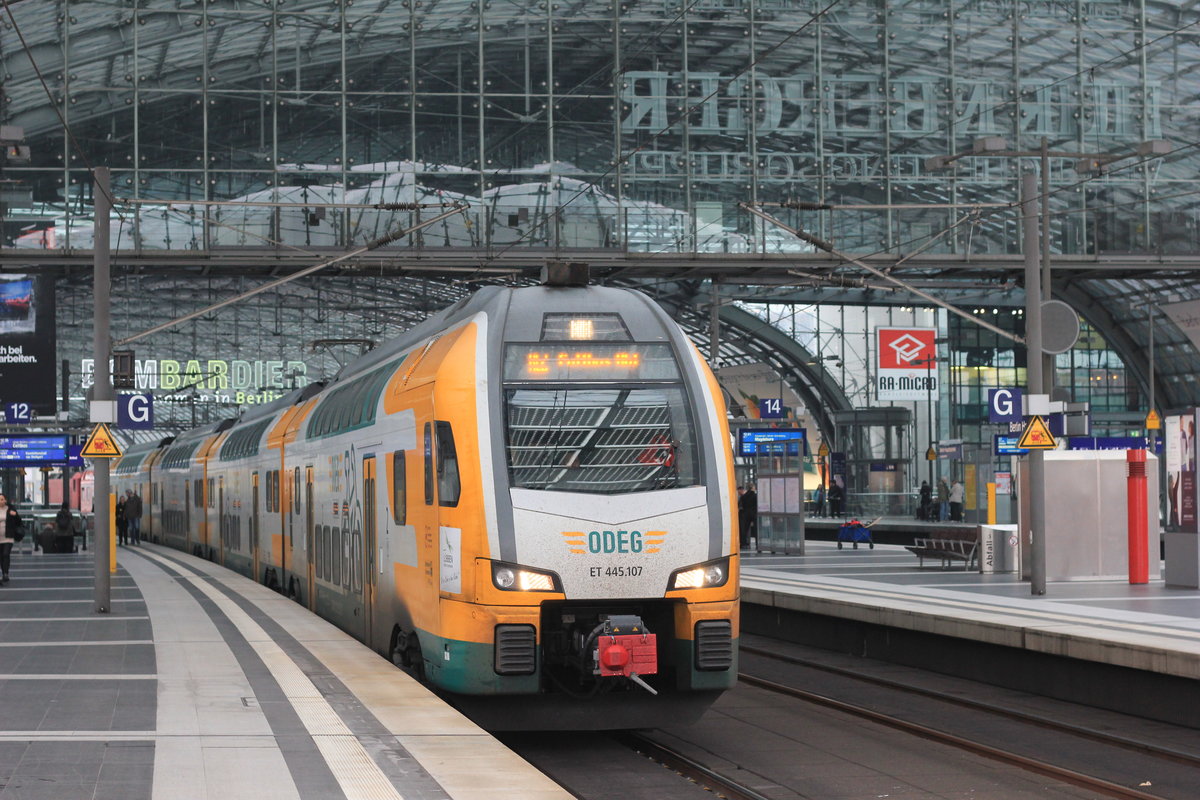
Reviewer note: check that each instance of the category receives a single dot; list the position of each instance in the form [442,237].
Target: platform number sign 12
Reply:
[17,412]
[770,408]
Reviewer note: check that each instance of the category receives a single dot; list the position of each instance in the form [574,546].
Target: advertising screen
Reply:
[27,342]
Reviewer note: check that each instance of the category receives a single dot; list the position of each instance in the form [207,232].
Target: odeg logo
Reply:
[615,542]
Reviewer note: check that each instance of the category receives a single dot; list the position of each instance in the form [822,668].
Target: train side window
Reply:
[449,486]
[336,555]
[428,464]
[296,492]
[325,568]
[399,488]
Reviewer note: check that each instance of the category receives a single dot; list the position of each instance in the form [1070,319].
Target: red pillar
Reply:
[1139,560]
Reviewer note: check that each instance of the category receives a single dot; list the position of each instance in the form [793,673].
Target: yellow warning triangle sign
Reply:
[101,444]
[1153,421]
[1037,436]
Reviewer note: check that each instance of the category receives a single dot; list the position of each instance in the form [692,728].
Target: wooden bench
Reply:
[947,548]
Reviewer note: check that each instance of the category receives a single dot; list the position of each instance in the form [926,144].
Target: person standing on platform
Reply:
[10,533]
[122,523]
[943,498]
[836,496]
[819,501]
[743,520]
[748,514]
[133,513]
[925,505]
[956,501]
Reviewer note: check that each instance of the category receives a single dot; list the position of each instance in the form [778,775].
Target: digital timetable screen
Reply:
[749,440]
[33,450]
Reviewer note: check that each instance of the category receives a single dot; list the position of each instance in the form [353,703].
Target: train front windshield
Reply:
[601,418]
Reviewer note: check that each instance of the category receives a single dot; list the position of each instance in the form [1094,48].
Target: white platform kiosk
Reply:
[1087,529]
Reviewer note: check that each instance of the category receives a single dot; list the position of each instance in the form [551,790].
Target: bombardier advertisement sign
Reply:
[905,363]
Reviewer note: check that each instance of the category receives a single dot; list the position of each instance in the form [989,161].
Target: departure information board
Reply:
[749,440]
[19,451]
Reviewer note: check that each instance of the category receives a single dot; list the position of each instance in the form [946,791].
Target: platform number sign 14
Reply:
[17,412]
[770,408]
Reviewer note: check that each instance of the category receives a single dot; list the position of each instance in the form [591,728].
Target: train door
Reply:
[310,549]
[187,516]
[254,520]
[428,544]
[222,520]
[369,554]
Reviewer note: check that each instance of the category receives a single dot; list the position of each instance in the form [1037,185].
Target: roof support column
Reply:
[102,383]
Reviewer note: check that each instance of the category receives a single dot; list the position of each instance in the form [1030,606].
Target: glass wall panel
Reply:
[657,110]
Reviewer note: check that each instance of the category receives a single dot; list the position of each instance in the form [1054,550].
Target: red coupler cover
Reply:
[634,652]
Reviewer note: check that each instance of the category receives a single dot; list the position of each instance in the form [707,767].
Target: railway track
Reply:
[1105,737]
[721,755]
[1146,790]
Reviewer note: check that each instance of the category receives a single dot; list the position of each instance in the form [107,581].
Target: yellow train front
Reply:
[528,500]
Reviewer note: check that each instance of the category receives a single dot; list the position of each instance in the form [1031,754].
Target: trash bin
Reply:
[998,549]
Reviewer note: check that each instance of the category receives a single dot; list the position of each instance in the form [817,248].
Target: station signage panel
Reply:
[749,439]
[29,451]
[771,408]
[951,449]
[905,363]
[1004,405]
[1106,443]
[135,411]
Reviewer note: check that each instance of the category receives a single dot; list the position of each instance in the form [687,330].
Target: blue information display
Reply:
[750,438]
[21,451]
[1007,445]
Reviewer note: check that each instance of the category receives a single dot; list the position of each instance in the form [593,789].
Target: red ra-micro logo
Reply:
[899,348]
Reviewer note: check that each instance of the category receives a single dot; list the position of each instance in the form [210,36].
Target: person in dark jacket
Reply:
[64,530]
[748,515]
[133,514]
[122,523]
[837,495]
[10,525]
[925,511]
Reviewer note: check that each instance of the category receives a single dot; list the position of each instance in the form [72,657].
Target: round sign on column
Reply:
[135,411]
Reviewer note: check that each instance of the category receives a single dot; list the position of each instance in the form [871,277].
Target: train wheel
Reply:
[405,652]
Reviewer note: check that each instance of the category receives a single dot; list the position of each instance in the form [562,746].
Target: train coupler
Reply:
[625,648]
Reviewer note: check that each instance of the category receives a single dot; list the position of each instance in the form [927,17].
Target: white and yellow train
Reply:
[528,500]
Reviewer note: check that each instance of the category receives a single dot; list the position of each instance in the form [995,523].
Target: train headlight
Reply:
[701,576]
[514,578]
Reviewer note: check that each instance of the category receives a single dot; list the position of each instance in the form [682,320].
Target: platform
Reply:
[203,684]
[1144,627]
